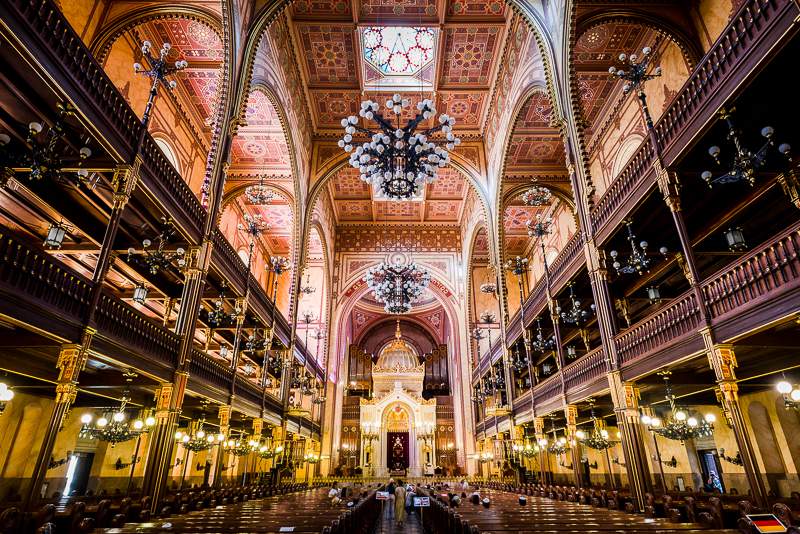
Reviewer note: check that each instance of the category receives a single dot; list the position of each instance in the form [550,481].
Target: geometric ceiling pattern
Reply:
[442,201]
[329,41]
[200,45]
[260,145]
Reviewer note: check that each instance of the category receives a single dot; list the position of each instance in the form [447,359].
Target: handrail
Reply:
[36,274]
[229,262]
[587,368]
[767,268]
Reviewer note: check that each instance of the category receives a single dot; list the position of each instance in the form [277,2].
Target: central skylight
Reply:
[398,50]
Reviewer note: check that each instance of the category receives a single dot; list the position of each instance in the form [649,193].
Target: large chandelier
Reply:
[397,159]
[679,425]
[536,196]
[259,194]
[397,285]
[157,258]
[114,427]
[196,439]
[576,314]
[598,438]
[638,261]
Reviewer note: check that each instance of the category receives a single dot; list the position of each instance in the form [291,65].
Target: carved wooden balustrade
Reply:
[590,369]
[43,30]
[38,290]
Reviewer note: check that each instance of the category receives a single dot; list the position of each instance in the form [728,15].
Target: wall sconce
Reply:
[735,460]
[672,462]
[615,460]
[55,234]
[140,293]
[61,461]
[592,465]
[653,294]
[119,464]
[734,237]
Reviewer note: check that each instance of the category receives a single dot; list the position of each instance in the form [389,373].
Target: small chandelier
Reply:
[558,445]
[536,196]
[679,425]
[254,343]
[265,452]
[116,429]
[542,227]
[397,160]
[307,289]
[278,265]
[217,317]
[311,458]
[598,438]
[240,447]
[43,155]
[158,259]
[397,285]
[540,344]
[517,265]
[253,225]
[638,262]
[259,194]
[634,71]
[576,314]
[745,163]
[196,439]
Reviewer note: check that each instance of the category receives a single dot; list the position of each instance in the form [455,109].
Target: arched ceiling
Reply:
[328,37]
[354,201]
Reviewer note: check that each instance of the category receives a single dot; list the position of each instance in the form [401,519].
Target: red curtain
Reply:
[397,451]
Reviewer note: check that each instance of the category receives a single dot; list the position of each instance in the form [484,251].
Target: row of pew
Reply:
[83,515]
[570,510]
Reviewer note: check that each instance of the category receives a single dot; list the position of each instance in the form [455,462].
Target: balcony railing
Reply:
[584,371]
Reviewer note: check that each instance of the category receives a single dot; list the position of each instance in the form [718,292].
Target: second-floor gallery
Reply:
[251,247]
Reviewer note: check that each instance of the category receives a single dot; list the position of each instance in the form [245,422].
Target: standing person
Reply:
[400,503]
[391,490]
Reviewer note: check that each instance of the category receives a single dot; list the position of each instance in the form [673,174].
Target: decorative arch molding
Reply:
[516,189]
[689,49]
[379,322]
[557,122]
[104,40]
[625,152]
[238,190]
[333,166]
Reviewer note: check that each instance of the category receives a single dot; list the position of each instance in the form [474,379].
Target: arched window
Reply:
[243,255]
[168,153]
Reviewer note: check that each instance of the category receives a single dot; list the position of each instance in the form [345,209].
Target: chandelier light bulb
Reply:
[580,434]
[795,395]
[210,438]
[220,437]
[178,434]
[692,421]
[710,418]
[138,424]
[655,422]
[150,421]
[201,434]
[680,415]
[185,438]
[783,387]
[604,433]
[86,418]
[118,417]
[102,422]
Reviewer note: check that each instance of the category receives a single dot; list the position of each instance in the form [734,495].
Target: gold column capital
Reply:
[124,181]
[669,184]
[595,259]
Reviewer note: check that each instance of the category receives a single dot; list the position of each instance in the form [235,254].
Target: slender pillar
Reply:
[70,363]
[224,416]
[169,399]
[626,407]
[538,425]
[722,360]
[571,415]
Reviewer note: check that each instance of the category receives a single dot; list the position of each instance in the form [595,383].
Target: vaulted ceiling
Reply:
[328,37]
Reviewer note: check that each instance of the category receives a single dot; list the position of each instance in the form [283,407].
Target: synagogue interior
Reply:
[441,266]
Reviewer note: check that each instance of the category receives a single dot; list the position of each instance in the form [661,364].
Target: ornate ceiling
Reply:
[442,201]
[328,40]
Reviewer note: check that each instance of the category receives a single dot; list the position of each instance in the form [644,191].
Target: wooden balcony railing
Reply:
[230,265]
[214,373]
[588,368]
[127,327]
[30,274]
[744,43]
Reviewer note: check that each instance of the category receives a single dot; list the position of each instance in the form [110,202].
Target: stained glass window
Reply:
[398,49]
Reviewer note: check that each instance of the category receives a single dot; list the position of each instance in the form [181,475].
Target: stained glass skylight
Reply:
[399,50]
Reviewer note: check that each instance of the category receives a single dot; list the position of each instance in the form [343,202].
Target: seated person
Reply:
[335,494]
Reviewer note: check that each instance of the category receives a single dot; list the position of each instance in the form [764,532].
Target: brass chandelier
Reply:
[397,285]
